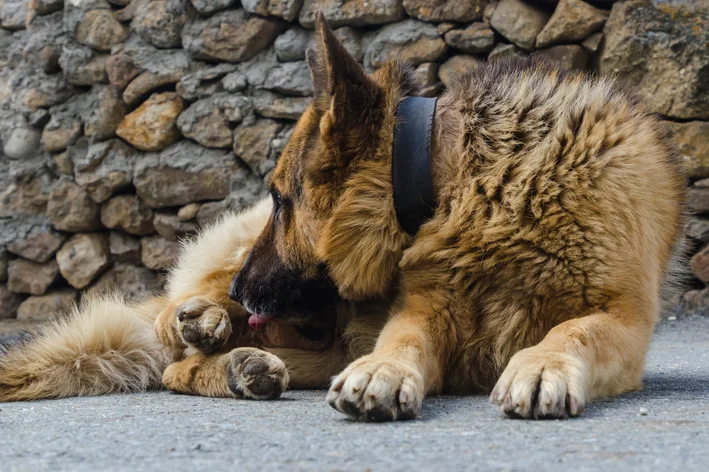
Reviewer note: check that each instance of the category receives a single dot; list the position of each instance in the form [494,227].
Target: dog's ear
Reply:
[339,83]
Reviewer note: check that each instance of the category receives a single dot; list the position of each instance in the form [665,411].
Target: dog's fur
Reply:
[108,345]
[560,202]
[559,206]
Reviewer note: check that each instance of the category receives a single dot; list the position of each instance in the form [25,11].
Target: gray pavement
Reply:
[663,428]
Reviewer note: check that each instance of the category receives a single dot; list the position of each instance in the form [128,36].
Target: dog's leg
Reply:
[244,372]
[407,362]
[582,359]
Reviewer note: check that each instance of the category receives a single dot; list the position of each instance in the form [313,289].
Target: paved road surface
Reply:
[167,432]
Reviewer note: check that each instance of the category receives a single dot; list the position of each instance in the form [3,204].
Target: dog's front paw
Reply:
[375,389]
[538,384]
[257,374]
[203,323]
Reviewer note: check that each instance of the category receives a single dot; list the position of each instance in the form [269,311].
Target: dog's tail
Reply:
[107,345]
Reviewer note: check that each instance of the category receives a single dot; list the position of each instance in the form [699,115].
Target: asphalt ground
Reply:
[663,428]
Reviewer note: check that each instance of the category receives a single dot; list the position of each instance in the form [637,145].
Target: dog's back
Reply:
[560,195]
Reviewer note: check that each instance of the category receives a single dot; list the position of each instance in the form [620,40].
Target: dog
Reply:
[191,339]
[538,277]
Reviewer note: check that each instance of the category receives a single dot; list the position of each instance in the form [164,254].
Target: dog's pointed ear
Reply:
[339,83]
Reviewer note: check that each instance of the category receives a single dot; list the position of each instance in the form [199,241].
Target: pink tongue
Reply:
[258,321]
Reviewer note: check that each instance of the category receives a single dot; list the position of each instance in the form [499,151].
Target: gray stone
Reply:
[131,281]
[231,36]
[31,277]
[455,67]
[170,227]
[38,244]
[64,126]
[270,105]
[290,78]
[252,143]
[188,212]
[489,10]
[427,74]
[204,82]
[503,52]
[160,22]
[48,306]
[153,125]
[291,45]
[62,164]
[147,58]
[567,57]
[519,22]
[82,65]
[71,209]
[146,82]
[184,173]
[698,200]
[23,143]
[9,302]
[29,88]
[210,212]
[210,121]
[207,7]
[103,169]
[100,30]
[158,253]
[476,38]
[572,21]
[698,228]
[45,7]
[128,213]
[106,111]
[13,14]
[692,141]
[592,43]
[83,258]
[431,91]
[409,40]
[27,194]
[351,12]
[124,249]
[130,11]
[700,265]
[39,118]
[659,50]
[286,9]
[445,10]
[120,70]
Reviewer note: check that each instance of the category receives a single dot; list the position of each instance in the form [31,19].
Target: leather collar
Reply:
[414,200]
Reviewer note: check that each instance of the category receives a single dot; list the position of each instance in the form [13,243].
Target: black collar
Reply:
[414,200]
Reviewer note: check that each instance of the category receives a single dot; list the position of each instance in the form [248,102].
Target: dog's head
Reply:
[333,227]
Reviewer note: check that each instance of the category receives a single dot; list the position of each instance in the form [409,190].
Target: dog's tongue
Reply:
[258,321]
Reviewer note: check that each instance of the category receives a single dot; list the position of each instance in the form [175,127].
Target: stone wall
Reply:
[126,125]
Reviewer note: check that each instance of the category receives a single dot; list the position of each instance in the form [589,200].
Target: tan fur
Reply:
[559,206]
[110,346]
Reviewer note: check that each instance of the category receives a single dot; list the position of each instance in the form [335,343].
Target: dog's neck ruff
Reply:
[414,200]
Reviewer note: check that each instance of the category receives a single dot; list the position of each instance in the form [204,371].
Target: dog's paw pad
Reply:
[203,324]
[256,374]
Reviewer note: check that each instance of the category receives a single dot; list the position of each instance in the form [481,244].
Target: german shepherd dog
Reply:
[539,276]
[559,206]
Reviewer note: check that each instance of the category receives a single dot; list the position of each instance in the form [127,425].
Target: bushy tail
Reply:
[105,346]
